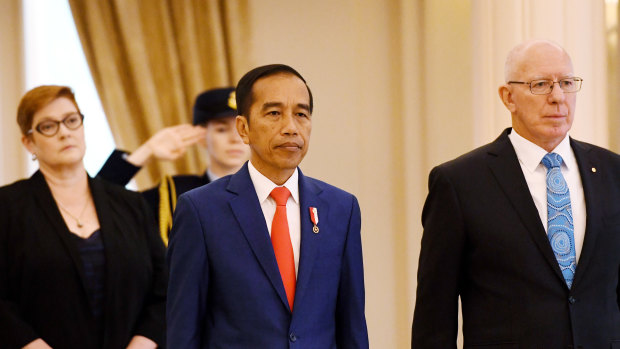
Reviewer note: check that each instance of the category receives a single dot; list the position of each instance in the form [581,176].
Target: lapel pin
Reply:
[314,217]
[594,169]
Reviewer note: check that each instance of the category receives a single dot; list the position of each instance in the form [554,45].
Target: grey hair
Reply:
[515,56]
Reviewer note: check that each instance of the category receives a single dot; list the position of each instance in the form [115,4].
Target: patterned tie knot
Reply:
[552,160]
[280,195]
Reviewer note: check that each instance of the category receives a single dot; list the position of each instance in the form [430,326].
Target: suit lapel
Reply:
[47,204]
[505,166]
[310,241]
[249,215]
[593,192]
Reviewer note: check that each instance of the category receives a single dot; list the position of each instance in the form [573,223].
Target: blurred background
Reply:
[400,86]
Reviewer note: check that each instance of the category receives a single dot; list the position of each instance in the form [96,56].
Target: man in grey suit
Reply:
[526,229]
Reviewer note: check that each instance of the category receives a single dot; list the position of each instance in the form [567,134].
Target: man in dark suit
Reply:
[267,257]
[213,129]
[525,230]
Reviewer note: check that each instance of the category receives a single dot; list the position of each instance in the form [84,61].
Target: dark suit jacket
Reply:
[484,241]
[225,290]
[42,284]
[119,171]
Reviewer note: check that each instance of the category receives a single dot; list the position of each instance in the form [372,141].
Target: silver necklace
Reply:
[78,220]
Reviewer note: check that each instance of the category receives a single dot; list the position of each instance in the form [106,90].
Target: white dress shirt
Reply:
[530,157]
[263,187]
[211,176]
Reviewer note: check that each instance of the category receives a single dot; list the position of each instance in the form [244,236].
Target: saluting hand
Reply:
[169,144]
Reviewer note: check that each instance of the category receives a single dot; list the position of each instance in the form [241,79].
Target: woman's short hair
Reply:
[36,99]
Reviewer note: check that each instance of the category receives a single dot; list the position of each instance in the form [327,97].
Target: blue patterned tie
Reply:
[560,217]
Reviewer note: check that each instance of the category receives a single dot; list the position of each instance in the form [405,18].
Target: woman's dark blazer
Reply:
[42,285]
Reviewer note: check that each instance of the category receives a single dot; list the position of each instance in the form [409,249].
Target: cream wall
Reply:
[400,86]
[579,26]
[388,108]
[346,52]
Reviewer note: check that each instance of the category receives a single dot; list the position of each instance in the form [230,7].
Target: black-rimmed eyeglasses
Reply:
[543,87]
[50,128]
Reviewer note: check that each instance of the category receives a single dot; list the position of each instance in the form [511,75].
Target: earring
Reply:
[34,157]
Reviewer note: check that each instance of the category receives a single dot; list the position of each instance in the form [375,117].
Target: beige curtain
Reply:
[613,62]
[12,154]
[149,59]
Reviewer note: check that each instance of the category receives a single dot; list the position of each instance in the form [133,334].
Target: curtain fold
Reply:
[13,163]
[613,64]
[149,60]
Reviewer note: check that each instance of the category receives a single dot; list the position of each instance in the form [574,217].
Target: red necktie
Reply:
[281,241]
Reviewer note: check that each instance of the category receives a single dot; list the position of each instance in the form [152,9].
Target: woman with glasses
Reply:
[81,264]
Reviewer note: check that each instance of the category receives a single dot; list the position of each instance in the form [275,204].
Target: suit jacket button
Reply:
[292,337]
[571,300]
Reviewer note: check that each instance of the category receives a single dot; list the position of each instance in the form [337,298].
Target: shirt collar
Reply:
[531,155]
[264,185]
[211,176]
[566,152]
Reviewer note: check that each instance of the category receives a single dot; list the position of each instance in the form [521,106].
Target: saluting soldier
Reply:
[213,128]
